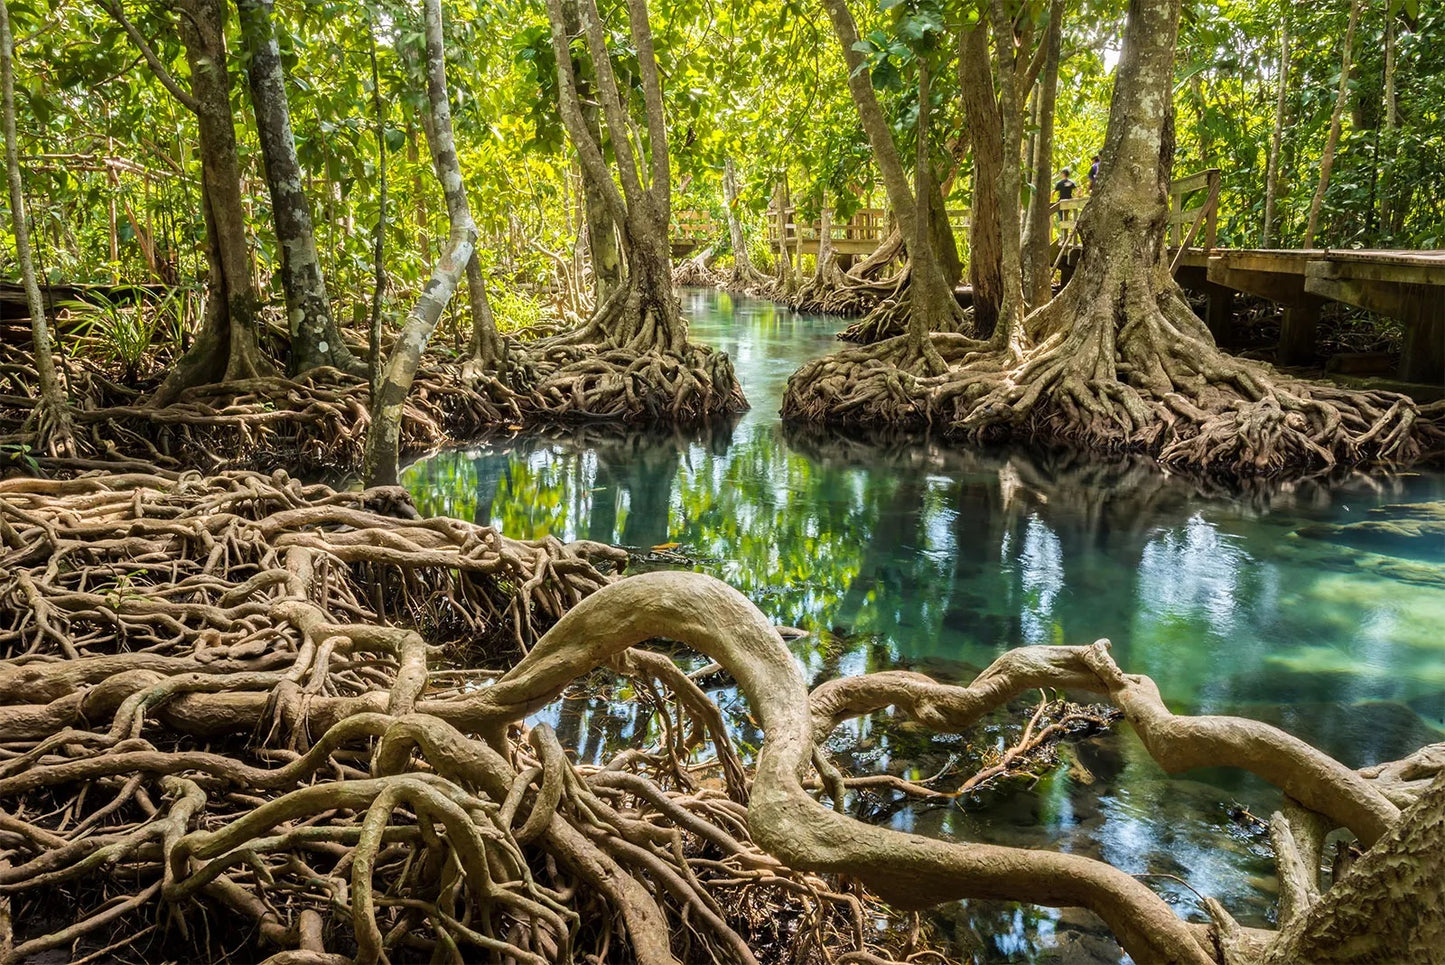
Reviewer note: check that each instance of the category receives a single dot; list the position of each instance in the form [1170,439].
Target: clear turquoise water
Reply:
[916,554]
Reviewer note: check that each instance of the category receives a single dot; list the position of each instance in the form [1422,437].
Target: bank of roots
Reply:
[238,720]
[318,422]
[228,728]
[1138,373]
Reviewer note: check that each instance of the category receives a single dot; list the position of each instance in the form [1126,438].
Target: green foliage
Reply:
[516,310]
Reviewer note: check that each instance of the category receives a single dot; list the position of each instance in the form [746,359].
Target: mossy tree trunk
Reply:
[226,347]
[53,431]
[315,336]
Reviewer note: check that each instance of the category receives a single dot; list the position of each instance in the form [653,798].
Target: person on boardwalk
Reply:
[1065,189]
[1094,174]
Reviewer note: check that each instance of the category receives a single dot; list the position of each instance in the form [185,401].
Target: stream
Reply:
[1317,607]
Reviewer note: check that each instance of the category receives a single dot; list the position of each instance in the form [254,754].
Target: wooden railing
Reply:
[1192,225]
[694,227]
[1184,223]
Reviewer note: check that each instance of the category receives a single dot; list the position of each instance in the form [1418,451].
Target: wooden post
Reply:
[1297,331]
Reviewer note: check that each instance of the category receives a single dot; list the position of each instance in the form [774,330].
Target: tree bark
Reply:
[890,163]
[1271,176]
[383,437]
[486,345]
[1390,135]
[378,238]
[602,244]
[931,294]
[1389,907]
[226,346]
[54,434]
[1038,261]
[743,270]
[315,336]
[787,279]
[1332,140]
[1009,329]
[985,125]
[644,314]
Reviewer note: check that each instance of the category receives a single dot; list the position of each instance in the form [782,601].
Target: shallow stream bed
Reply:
[1318,607]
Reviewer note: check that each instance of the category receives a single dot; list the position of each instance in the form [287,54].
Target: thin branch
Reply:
[116,10]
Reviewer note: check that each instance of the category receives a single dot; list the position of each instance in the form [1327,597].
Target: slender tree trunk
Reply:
[1332,140]
[383,437]
[786,278]
[602,244]
[1038,260]
[378,239]
[1271,177]
[825,272]
[985,125]
[1009,184]
[1390,138]
[886,154]
[932,295]
[486,344]
[315,336]
[226,346]
[52,415]
[743,270]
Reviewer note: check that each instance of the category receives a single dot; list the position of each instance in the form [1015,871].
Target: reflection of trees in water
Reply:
[901,550]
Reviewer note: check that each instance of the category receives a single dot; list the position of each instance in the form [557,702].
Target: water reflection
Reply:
[908,553]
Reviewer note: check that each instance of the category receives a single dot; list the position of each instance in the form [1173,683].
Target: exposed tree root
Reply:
[222,698]
[1133,373]
[219,698]
[319,421]
[695,272]
[630,363]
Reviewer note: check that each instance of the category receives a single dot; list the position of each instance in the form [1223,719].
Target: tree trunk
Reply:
[226,347]
[787,279]
[602,244]
[378,238]
[889,161]
[53,432]
[932,296]
[743,271]
[383,437]
[644,314]
[1009,184]
[1332,140]
[602,248]
[985,125]
[826,272]
[1271,176]
[1390,134]
[315,337]
[1038,260]
[486,345]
